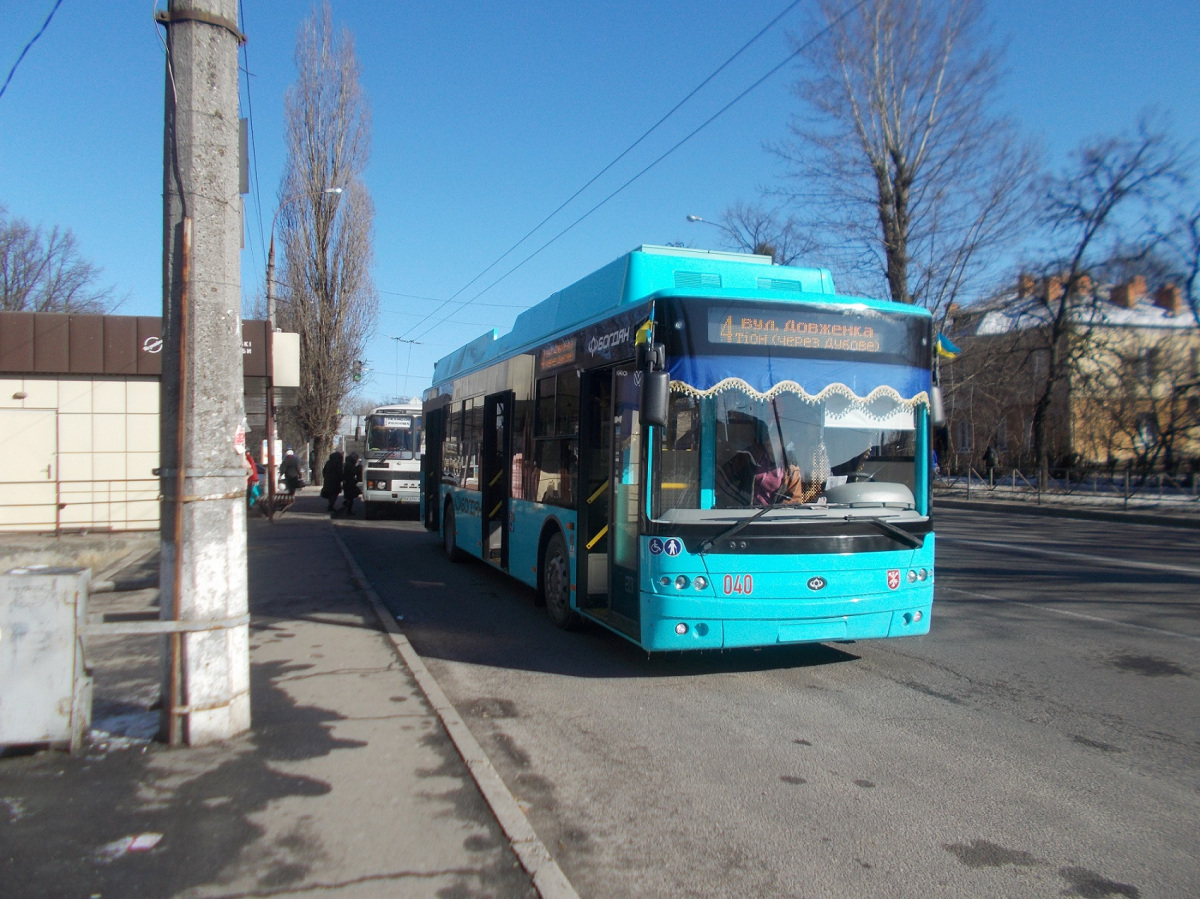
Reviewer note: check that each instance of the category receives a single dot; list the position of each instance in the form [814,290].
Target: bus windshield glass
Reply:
[787,450]
[810,409]
[394,434]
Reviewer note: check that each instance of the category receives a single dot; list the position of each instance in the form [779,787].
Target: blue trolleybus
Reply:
[696,450]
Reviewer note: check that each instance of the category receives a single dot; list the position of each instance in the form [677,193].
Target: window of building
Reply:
[963,436]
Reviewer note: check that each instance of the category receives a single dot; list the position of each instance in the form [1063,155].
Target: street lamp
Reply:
[695,219]
[400,340]
[333,191]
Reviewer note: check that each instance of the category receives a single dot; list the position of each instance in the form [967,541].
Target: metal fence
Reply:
[97,504]
[1123,489]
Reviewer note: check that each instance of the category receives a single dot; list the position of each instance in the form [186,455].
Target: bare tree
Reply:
[754,229]
[326,218]
[42,271]
[1182,244]
[904,173]
[1116,187]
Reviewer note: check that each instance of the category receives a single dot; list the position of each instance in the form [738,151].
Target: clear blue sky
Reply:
[487,116]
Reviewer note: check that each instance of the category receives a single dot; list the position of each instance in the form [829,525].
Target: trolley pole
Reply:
[206,675]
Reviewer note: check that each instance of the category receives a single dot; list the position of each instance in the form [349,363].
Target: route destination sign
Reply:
[803,330]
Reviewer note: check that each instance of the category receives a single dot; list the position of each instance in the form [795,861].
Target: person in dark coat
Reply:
[351,475]
[290,471]
[331,479]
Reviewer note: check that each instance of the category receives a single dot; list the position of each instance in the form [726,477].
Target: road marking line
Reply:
[1077,557]
[548,878]
[1069,614]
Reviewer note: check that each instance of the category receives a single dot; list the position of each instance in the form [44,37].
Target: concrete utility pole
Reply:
[206,675]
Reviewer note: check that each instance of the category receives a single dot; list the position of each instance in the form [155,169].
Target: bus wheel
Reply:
[449,535]
[556,584]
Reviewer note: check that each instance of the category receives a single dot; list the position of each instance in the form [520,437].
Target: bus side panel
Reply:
[767,601]
[523,540]
[528,523]
[468,517]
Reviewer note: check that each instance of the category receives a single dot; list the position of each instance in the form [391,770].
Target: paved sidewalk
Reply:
[348,784]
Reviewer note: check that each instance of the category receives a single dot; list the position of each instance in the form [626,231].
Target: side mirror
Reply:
[651,357]
[656,388]
[937,411]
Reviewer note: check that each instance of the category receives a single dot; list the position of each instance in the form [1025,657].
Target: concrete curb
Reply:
[548,878]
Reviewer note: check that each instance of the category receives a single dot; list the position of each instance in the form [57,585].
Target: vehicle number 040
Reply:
[739,583]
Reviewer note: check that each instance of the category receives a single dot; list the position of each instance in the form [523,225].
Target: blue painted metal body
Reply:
[862,595]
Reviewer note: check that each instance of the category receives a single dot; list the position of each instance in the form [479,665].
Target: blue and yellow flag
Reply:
[944,347]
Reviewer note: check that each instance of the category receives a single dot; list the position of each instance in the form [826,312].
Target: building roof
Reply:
[1015,311]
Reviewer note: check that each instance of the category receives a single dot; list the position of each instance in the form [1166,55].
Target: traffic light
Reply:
[358,367]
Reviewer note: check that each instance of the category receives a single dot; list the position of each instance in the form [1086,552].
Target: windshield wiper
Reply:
[737,528]
[899,534]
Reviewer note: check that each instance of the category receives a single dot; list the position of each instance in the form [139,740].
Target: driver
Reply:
[750,476]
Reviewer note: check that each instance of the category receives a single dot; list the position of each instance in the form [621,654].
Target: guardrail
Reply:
[115,504]
[1093,488]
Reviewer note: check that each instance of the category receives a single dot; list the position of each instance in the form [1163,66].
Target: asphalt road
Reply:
[1042,740]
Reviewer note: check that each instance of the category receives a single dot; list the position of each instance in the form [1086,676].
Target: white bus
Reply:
[392,467]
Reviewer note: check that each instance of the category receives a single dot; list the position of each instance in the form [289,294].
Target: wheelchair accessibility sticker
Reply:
[656,546]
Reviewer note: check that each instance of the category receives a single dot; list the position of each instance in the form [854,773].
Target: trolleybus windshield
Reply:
[790,405]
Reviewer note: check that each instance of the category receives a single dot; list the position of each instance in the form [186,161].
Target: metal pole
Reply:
[176,699]
[271,376]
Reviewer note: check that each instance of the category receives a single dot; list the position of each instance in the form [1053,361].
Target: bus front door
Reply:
[496,470]
[611,472]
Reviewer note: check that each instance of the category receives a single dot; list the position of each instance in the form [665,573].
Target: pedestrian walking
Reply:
[331,479]
[289,470]
[990,461]
[351,475]
[253,489]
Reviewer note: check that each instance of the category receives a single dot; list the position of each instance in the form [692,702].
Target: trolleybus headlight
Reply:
[681,628]
[665,581]
[681,582]
[912,576]
[922,574]
[700,583]
[917,615]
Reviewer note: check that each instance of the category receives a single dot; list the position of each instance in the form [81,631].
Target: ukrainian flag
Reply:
[945,348]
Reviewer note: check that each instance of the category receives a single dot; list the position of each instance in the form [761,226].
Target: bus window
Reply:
[679,461]
[472,442]
[556,439]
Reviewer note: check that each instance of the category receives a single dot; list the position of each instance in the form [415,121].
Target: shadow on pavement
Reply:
[469,612]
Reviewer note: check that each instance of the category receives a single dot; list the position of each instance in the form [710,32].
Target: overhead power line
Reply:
[598,175]
[800,49]
[253,161]
[32,41]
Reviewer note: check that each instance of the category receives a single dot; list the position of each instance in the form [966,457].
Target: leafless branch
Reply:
[331,300]
[910,184]
[42,271]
